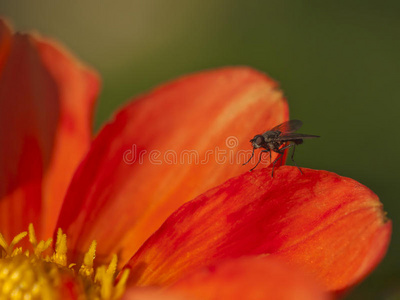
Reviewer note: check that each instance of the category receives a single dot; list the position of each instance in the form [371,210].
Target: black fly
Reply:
[274,138]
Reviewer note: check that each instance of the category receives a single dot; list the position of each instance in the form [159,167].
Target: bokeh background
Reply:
[337,62]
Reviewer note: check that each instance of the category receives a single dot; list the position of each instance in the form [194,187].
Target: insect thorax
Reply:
[270,136]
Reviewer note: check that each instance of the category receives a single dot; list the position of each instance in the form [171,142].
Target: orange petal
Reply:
[249,278]
[46,102]
[332,226]
[138,293]
[69,289]
[244,278]
[119,198]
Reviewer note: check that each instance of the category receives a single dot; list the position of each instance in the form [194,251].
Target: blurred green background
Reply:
[338,63]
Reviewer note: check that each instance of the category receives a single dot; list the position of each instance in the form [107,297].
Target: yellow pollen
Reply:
[26,275]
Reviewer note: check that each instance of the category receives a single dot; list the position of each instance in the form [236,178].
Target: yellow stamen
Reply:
[32,235]
[87,265]
[33,276]
[16,240]
[3,243]
[120,287]
[60,253]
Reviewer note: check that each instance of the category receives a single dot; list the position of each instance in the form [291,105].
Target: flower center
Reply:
[44,274]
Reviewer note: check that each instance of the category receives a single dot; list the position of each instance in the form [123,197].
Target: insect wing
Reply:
[289,126]
[295,136]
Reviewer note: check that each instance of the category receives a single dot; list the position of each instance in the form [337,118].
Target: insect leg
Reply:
[294,148]
[249,158]
[281,152]
[275,161]
[259,159]
[292,156]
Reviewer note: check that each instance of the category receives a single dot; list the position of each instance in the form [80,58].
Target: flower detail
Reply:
[27,275]
[244,234]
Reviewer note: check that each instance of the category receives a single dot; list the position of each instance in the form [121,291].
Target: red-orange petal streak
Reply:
[150,293]
[46,101]
[250,278]
[5,42]
[330,225]
[120,199]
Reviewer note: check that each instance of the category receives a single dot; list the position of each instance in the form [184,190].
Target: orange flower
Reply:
[292,236]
